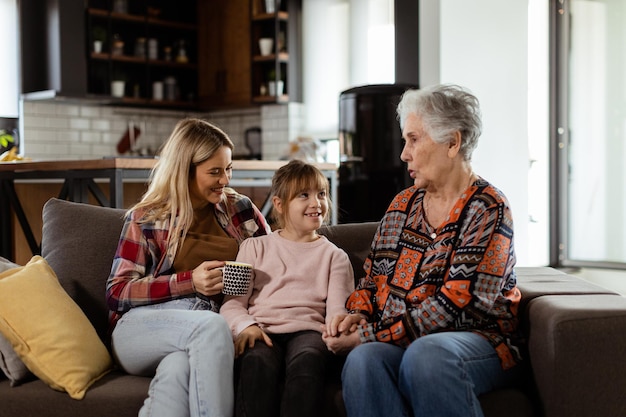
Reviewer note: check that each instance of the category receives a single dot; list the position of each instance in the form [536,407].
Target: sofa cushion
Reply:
[5,264]
[10,363]
[79,242]
[576,343]
[353,238]
[49,331]
[116,394]
[535,282]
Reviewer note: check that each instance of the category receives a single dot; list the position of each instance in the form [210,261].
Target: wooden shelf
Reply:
[281,57]
[267,99]
[282,64]
[281,15]
[144,102]
[141,60]
[154,21]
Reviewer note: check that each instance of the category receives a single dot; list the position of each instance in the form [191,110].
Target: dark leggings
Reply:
[288,377]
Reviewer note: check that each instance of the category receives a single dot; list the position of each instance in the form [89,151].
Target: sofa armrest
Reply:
[576,345]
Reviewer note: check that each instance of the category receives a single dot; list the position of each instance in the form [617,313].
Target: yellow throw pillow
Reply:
[49,332]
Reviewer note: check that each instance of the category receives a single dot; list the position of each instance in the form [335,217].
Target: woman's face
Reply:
[426,159]
[211,176]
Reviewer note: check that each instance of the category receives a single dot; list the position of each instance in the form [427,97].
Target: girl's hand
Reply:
[248,337]
[207,278]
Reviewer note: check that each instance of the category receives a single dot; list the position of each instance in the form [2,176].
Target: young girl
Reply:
[300,280]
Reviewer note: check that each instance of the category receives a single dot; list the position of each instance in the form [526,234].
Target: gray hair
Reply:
[445,109]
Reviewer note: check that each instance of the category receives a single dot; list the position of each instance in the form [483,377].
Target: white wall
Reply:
[483,45]
[8,52]
[346,43]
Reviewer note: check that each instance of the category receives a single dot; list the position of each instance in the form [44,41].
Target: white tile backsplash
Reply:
[55,130]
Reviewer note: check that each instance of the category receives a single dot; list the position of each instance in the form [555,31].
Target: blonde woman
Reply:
[165,286]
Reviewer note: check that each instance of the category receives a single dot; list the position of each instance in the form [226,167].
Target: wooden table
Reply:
[79,177]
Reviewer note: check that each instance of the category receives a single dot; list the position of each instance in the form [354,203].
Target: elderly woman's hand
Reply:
[343,323]
[342,343]
[340,333]
[207,278]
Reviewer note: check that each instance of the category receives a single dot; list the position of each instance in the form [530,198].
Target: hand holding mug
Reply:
[207,278]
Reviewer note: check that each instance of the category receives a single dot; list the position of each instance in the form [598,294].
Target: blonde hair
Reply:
[290,180]
[192,142]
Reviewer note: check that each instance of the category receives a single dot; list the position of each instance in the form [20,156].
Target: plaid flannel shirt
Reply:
[142,271]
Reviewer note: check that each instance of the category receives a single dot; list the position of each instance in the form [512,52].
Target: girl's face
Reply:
[306,211]
[211,176]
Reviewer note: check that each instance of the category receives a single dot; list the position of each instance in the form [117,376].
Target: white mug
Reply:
[265,46]
[236,277]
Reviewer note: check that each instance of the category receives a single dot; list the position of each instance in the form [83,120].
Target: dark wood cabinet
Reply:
[222,69]
[230,64]
[150,45]
[224,54]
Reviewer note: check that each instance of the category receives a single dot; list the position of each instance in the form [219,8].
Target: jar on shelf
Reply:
[140,47]
[182,53]
[170,88]
[153,48]
[117,46]
[120,6]
[167,53]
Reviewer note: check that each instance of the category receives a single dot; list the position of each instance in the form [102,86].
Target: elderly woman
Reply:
[433,324]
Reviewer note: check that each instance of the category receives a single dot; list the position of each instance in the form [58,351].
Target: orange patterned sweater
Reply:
[458,277]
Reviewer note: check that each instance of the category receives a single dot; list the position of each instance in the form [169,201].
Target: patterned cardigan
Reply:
[458,277]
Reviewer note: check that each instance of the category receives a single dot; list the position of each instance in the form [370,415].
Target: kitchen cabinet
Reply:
[149,45]
[274,73]
[223,68]
[224,54]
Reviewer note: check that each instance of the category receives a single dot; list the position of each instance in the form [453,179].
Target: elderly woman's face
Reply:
[425,158]
[211,177]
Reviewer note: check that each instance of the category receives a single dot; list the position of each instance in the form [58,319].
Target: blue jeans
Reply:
[189,352]
[441,374]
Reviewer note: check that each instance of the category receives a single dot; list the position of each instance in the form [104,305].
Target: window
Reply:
[346,43]
[588,133]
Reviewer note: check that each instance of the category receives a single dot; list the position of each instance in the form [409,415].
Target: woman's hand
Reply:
[207,278]
[248,337]
[342,343]
[340,333]
[343,323]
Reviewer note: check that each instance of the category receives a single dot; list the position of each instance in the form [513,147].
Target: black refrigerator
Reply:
[370,142]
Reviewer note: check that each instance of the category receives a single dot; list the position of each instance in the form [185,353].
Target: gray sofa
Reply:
[576,331]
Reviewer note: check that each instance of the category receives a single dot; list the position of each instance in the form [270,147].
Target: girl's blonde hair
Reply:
[192,142]
[290,180]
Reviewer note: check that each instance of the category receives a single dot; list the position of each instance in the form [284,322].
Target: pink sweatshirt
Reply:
[295,285]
